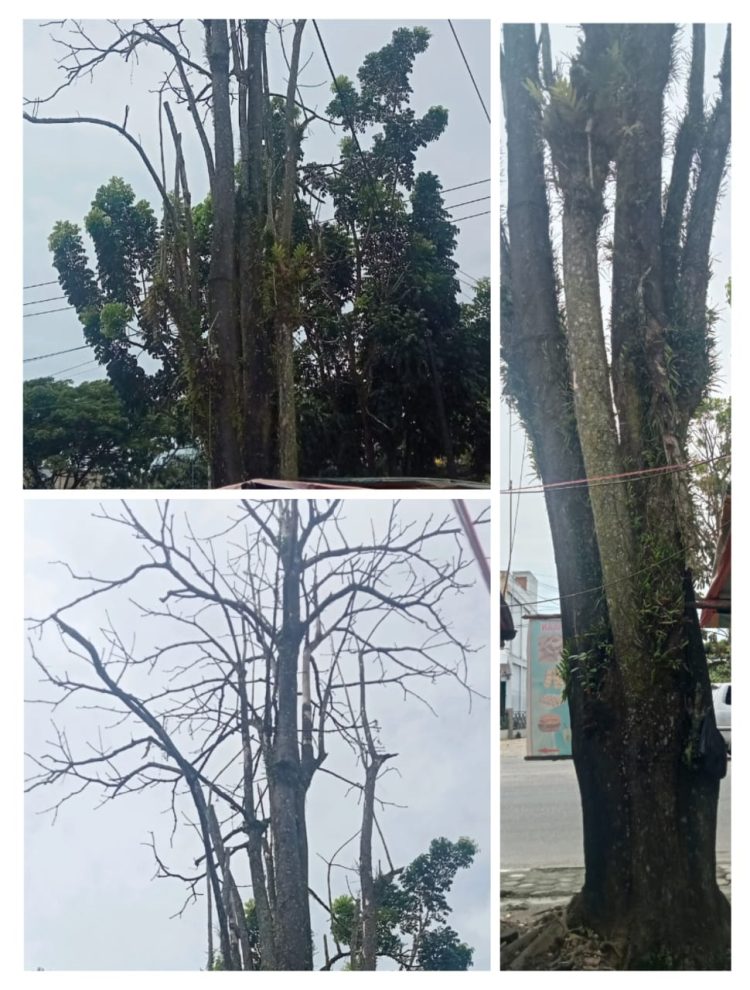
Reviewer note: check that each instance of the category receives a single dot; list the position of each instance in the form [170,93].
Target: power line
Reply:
[466,202]
[62,309]
[468,69]
[472,277]
[602,587]
[613,478]
[37,302]
[74,367]
[69,350]
[466,185]
[38,285]
[471,216]
[348,119]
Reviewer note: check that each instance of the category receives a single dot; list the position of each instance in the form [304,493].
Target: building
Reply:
[521,594]
[717,605]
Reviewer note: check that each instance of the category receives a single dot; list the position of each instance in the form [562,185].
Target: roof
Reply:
[717,605]
[444,484]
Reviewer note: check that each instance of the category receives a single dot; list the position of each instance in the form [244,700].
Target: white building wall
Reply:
[519,599]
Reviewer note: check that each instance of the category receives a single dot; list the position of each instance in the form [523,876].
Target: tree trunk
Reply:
[257,347]
[226,401]
[255,832]
[285,779]
[636,673]
[437,391]
[651,868]
[287,279]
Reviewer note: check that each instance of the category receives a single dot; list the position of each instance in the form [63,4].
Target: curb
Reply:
[560,882]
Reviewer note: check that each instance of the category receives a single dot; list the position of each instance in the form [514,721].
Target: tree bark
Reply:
[226,399]
[255,831]
[636,674]
[285,779]
[287,280]
[257,344]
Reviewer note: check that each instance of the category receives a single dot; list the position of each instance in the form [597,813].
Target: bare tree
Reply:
[273,626]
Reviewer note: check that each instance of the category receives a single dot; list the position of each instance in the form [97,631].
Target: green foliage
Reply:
[124,236]
[709,442]
[344,916]
[113,320]
[719,656]
[251,920]
[79,436]
[115,303]
[69,258]
[385,335]
[412,909]
[588,666]
[441,949]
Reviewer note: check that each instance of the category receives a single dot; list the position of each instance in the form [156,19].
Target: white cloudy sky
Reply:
[532,546]
[90,901]
[83,157]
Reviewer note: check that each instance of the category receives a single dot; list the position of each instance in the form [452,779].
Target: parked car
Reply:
[722,696]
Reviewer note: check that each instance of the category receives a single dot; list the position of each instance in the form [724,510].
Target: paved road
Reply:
[540,814]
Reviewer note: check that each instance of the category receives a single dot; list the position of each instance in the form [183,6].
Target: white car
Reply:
[722,696]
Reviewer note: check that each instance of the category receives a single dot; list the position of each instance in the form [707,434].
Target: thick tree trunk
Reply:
[650,844]
[257,347]
[226,400]
[665,794]
[647,755]
[286,782]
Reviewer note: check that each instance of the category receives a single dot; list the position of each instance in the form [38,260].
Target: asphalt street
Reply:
[540,814]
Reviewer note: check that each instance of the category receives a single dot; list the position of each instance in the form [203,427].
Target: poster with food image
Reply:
[547,715]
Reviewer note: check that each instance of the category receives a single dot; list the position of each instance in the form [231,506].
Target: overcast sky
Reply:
[89,896]
[83,157]
[532,545]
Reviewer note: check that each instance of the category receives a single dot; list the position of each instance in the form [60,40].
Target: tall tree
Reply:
[260,317]
[402,289]
[647,753]
[272,621]
[229,363]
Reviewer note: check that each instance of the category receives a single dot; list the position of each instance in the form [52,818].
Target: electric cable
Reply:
[621,478]
[69,350]
[38,302]
[466,202]
[44,312]
[471,216]
[466,185]
[468,69]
